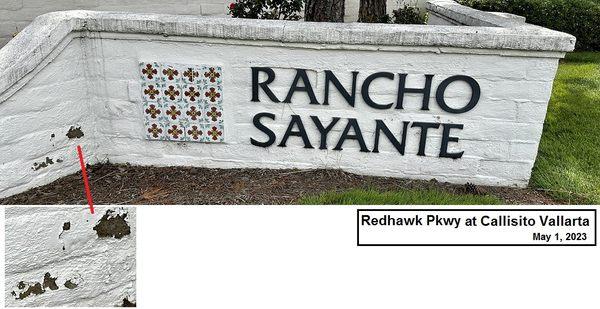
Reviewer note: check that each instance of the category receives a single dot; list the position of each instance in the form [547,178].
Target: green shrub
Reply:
[266,9]
[580,18]
[408,15]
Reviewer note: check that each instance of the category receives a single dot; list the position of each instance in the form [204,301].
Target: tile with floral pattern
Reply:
[172,93]
[175,133]
[153,111]
[182,102]
[191,74]
[213,94]
[154,130]
[213,75]
[194,113]
[150,72]
[213,113]
[214,132]
[151,92]
[171,73]
[173,112]
[195,133]
[191,94]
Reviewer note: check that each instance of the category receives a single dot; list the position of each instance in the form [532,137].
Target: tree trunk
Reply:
[324,10]
[372,11]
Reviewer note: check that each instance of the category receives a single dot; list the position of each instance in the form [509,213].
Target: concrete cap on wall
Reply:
[490,31]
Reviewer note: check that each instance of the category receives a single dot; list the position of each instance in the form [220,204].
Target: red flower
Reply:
[232,6]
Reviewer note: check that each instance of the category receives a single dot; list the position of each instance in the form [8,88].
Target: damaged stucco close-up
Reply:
[66,256]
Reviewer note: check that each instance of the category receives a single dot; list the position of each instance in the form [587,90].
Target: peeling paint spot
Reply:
[127,303]
[30,289]
[70,284]
[66,226]
[35,288]
[50,282]
[73,282]
[37,166]
[112,224]
[75,132]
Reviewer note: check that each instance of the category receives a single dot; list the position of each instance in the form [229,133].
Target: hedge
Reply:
[580,18]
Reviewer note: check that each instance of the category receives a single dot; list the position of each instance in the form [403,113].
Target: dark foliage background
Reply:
[267,9]
[580,18]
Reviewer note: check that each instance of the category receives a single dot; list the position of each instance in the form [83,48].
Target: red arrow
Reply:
[86,183]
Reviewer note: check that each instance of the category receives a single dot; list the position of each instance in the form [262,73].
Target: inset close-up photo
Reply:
[66,256]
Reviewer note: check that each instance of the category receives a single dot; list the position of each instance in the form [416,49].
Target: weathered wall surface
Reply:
[36,121]
[69,253]
[17,14]
[89,83]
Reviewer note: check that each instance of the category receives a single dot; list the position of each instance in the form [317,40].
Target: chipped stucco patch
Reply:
[54,257]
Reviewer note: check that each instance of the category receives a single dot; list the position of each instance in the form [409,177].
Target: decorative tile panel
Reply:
[182,103]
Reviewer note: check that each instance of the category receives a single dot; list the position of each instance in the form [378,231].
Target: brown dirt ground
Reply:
[125,184]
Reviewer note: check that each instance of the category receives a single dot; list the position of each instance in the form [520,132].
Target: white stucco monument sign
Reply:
[462,99]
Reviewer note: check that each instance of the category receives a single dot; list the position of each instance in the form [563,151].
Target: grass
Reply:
[568,163]
[405,197]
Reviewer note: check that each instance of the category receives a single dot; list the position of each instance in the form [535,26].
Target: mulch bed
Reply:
[125,184]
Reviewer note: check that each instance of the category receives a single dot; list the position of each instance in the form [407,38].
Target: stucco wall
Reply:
[58,248]
[500,136]
[90,80]
[34,146]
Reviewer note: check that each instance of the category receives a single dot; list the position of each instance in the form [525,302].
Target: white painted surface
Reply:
[104,267]
[90,79]
[17,14]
